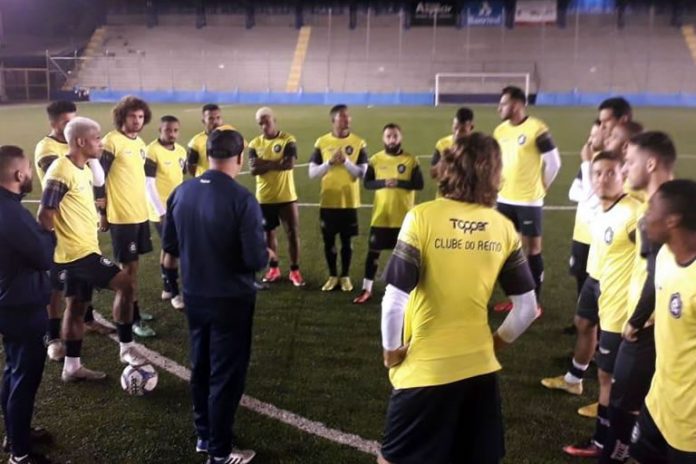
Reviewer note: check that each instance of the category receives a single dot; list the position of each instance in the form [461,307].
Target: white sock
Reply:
[71,365]
[367,285]
[125,346]
[570,378]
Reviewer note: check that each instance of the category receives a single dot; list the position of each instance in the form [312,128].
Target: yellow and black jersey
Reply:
[445,143]
[339,189]
[274,186]
[48,150]
[123,161]
[392,203]
[198,153]
[522,147]
[453,253]
[68,190]
[613,250]
[167,167]
[672,398]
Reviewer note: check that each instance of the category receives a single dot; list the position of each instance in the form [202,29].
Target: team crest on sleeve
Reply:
[675,305]
[608,235]
[521,139]
[277,148]
[401,168]
[349,150]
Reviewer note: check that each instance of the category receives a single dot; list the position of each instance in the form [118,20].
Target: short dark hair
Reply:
[168,118]
[659,144]
[225,143]
[125,106]
[210,107]
[469,169]
[464,114]
[679,195]
[515,93]
[337,109]
[597,122]
[8,155]
[619,107]
[633,128]
[56,108]
[606,155]
[391,125]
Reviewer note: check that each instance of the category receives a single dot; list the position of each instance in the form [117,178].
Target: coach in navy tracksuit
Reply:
[215,227]
[26,255]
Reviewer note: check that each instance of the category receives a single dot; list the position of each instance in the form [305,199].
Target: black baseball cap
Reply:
[224,144]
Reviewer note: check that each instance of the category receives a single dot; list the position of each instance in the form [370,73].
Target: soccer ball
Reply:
[139,380]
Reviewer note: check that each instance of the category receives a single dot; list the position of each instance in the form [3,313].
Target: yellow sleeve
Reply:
[151,153]
[409,232]
[109,144]
[318,144]
[57,173]
[291,139]
[192,142]
[363,144]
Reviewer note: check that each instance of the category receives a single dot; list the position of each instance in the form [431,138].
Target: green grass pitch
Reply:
[314,353]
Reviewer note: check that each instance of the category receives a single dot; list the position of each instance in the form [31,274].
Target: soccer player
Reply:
[620,136]
[49,149]
[445,406]
[666,428]
[197,160]
[340,160]
[531,162]
[462,124]
[650,159]
[613,112]
[604,297]
[67,206]
[126,214]
[272,158]
[395,176]
[164,171]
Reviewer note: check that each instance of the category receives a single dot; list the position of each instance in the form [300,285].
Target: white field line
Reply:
[265,409]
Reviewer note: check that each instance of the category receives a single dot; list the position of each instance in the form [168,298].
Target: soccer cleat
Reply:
[588,449]
[201,446]
[237,456]
[503,307]
[559,383]
[178,302]
[296,278]
[146,316]
[331,284]
[82,373]
[589,411]
[97,328]
[364,297]
[32,458]
[272,275]
[260,286]
[132,356]
[55,349]
[346,284]
[143,330]
[166,295]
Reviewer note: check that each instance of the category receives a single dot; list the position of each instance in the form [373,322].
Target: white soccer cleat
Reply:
[82,373]
[133,357]
[55,350]
[166,295]
[178,302]
[237,456]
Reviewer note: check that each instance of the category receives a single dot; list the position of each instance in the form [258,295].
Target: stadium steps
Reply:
[690,39]
[92,49]
[298,59]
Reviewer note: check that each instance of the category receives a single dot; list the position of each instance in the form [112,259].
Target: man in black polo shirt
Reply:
[26,255]
[215,227]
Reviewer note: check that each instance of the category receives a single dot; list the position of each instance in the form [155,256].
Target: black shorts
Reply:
[80,277]
[578,259]
[460,422]
[383,238]
[588,301]
[342,221]
[130,240]
[527,219]
[633,371]
[271,214]
[607,350]
[648,445]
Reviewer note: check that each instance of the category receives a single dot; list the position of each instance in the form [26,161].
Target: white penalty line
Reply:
[265,409]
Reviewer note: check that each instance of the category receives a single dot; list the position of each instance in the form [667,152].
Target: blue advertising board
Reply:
[485,14]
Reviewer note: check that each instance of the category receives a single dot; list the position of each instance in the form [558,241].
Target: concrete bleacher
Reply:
[646,56]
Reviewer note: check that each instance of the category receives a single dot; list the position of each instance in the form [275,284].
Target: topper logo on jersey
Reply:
[182,163]
[521,139]
[142,154]
[675,305]
[349,150]
[277,148]
[468,227]
[608,235]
